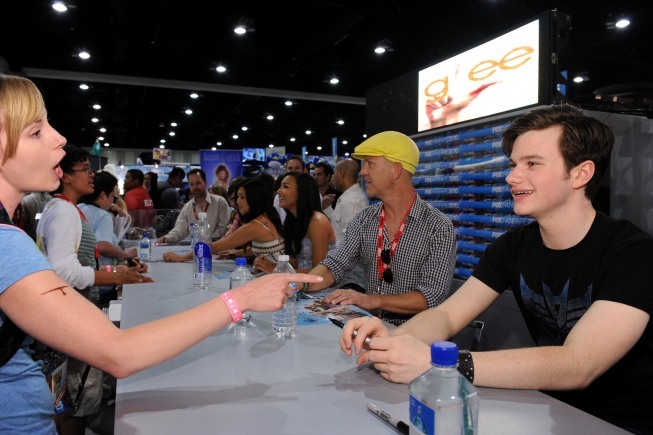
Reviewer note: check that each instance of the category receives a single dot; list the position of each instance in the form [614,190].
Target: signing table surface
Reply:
[252,382]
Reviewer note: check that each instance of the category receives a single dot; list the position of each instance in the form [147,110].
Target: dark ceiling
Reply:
[296,47]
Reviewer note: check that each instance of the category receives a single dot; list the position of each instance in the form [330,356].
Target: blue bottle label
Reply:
[422,417]
[203,254]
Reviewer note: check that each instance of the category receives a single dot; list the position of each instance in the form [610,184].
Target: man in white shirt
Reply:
[351,201]
[215,207]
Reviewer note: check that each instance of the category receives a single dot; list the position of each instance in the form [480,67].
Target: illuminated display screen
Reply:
[497,76]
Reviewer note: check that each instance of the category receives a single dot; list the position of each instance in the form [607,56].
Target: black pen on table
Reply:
[341,325]
[398,424]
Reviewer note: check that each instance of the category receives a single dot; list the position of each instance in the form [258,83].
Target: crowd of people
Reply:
[580,277]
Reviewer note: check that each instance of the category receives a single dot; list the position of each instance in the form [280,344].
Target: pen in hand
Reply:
[341,325]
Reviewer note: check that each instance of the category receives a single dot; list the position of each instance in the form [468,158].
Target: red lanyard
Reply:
[206,207]
[395,241]
[81,213]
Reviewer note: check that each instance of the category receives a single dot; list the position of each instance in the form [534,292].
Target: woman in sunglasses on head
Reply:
[35,302]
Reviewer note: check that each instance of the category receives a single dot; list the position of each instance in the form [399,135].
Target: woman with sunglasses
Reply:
[35,302]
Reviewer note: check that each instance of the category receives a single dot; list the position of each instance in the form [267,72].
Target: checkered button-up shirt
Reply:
[424,260]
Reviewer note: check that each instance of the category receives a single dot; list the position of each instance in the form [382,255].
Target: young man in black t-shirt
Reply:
[583,282]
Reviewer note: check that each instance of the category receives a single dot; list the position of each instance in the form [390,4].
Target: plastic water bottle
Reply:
[284,321]
[146,247]
[442,401]
[240,275]
[202,254]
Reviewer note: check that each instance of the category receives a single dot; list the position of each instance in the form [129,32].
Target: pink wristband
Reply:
[232,306]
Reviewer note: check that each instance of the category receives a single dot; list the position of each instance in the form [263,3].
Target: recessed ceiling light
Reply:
[347,154]
[84,55]
[622,23]
[308,132]
[579,79]
[235,136]
[59,7]
[100,138]
[221,69]
[188,112]
[334,80]
[379,50]
[103,130]
[292,139]
[173,124]
[162,141]
[106,144]
[271,145]
[213,148]
[269,117]
[84,87]
[95,120]
[288,103]
[219,144]
[244,128]
[340,122]
[305,152]
[319,148]
[345,142]
[162,146]
[97,106]
[194,95]
[172,133]
[240,30]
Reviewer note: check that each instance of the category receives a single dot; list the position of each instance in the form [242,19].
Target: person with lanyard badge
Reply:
[215,207]
[406,247]
[35,303]
[581,279]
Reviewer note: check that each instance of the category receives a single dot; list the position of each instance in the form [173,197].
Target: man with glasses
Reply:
[406,247]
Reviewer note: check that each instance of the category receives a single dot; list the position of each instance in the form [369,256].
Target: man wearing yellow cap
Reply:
[406,247]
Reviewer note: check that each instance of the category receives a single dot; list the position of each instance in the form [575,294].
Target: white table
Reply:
[231,383]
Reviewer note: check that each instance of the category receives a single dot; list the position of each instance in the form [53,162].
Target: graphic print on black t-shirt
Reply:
[554,315]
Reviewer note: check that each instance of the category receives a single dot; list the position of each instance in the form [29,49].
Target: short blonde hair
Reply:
[21,104]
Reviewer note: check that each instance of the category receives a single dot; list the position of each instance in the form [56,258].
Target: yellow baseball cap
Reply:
[394,146]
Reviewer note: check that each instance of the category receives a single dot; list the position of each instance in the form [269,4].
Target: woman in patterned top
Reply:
[261,226]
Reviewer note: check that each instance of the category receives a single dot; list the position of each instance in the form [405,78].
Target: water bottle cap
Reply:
[284,258]
[444,353]
[241,262]
[145,234]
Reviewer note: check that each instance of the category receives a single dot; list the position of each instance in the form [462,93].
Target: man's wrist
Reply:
[466,365]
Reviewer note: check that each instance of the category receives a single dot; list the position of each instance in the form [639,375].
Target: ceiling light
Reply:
[219,144]
[84,87]
[334,81]
[213,148]
[162,146]
[95,120]
[340,122]
[288,103]
[308,132]
[59,7]
[345,142]
[244,25]
[347,154]
[100,138]
[305,152]
[188,112]
[244,128]
[221,68]
[622,23]
[162,141]
[292,139]
[319,148]
[84,55]
[103,130]
[194,95]
[97,106]
[106,144]
[172,133]
[173,124]
[271,145]
[269,117]
[364,135]
[383,46]
[235,136]
[578,79]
